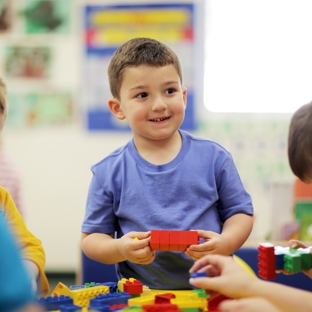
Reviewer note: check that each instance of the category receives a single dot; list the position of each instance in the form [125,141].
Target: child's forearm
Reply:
[236,230]
[284,297]
[101,247]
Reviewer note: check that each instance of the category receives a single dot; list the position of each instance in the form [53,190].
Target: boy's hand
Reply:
[135,247]
[214,243]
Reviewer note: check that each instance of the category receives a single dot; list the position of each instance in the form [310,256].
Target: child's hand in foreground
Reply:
[135,247]
[214,243]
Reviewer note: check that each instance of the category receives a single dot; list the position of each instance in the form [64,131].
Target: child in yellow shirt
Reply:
[32,252]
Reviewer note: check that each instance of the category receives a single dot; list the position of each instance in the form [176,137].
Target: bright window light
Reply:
[258,55]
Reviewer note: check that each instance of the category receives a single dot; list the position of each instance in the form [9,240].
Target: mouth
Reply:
[159,119]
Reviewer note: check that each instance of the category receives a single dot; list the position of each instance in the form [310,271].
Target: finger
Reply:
[214,260]
[139,235]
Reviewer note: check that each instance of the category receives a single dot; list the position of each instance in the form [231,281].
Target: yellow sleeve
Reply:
[31,247]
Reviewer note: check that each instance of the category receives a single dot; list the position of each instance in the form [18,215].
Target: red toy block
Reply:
[154,242]
[267,261]
[133,288]
[183,240]
[193,238]
[164,298]
[215,300]
[174,240]
[164,240]
[165,307]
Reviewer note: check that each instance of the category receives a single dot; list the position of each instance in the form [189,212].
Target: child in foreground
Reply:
[164,178]
[32,252]
[234,282]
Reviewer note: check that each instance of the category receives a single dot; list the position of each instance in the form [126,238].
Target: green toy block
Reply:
[306,262]
[292,262]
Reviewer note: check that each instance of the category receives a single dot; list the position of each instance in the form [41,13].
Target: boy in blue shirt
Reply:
[164,178]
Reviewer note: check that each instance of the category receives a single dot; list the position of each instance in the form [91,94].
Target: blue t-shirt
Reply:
[15,285]
[199,189]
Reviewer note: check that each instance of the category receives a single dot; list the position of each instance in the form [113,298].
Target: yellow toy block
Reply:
[140,301]
[80,296]
[200,303]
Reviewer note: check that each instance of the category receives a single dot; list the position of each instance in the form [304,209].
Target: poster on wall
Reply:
[108,27]
[27,62]
[46,16]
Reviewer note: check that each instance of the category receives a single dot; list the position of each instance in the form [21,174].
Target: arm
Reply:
[233,281]
[30,246]
[235,232]
[104,248]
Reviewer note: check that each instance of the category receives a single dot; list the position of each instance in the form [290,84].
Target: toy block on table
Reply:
[82,296]
[53,303]
[164,307]
[215,300]
[110,299]
[164,298]
[133,287]
[70,308]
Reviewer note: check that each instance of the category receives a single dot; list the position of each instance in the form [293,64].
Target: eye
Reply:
[171,91]
[142,95]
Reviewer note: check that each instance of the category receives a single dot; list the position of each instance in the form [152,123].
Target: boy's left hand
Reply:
[214,243]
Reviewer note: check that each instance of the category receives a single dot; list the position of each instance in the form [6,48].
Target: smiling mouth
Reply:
[159,119]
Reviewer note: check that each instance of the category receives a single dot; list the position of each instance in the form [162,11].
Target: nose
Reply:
[159,104]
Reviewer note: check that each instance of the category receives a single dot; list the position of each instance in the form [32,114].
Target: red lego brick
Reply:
[183,240]
[164,298]
[267,261]
[215,300]
[164,240]
[174,241]
[193,238]
[154,242]
[133,288]
[164,307]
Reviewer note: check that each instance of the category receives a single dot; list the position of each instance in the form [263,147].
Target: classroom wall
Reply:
[55,160]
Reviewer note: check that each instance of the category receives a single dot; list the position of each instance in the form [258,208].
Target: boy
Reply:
[164,178]
[230,279]
[31,248]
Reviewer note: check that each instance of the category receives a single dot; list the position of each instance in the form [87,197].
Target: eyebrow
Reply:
[140,87]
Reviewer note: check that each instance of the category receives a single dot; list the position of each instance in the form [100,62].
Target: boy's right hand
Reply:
[135,247]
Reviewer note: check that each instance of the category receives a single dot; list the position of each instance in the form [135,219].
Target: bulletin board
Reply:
[108,27]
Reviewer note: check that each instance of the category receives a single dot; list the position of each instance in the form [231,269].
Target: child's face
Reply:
[153,101]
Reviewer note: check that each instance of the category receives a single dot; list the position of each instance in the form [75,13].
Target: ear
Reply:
[115,108]
[184,93]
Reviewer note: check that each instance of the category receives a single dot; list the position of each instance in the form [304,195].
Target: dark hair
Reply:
[300,143]
[139,51]
[3,96]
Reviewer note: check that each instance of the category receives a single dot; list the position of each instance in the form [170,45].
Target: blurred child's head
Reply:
[3,103]
[136,52]
[300,143]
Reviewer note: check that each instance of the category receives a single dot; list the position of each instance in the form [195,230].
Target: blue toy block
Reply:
[198,274]
[99,308]
[70,308]
[110,299]
[53,303]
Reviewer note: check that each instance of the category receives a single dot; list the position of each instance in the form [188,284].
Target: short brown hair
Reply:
[139,51]
[3,96]
[300,143]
